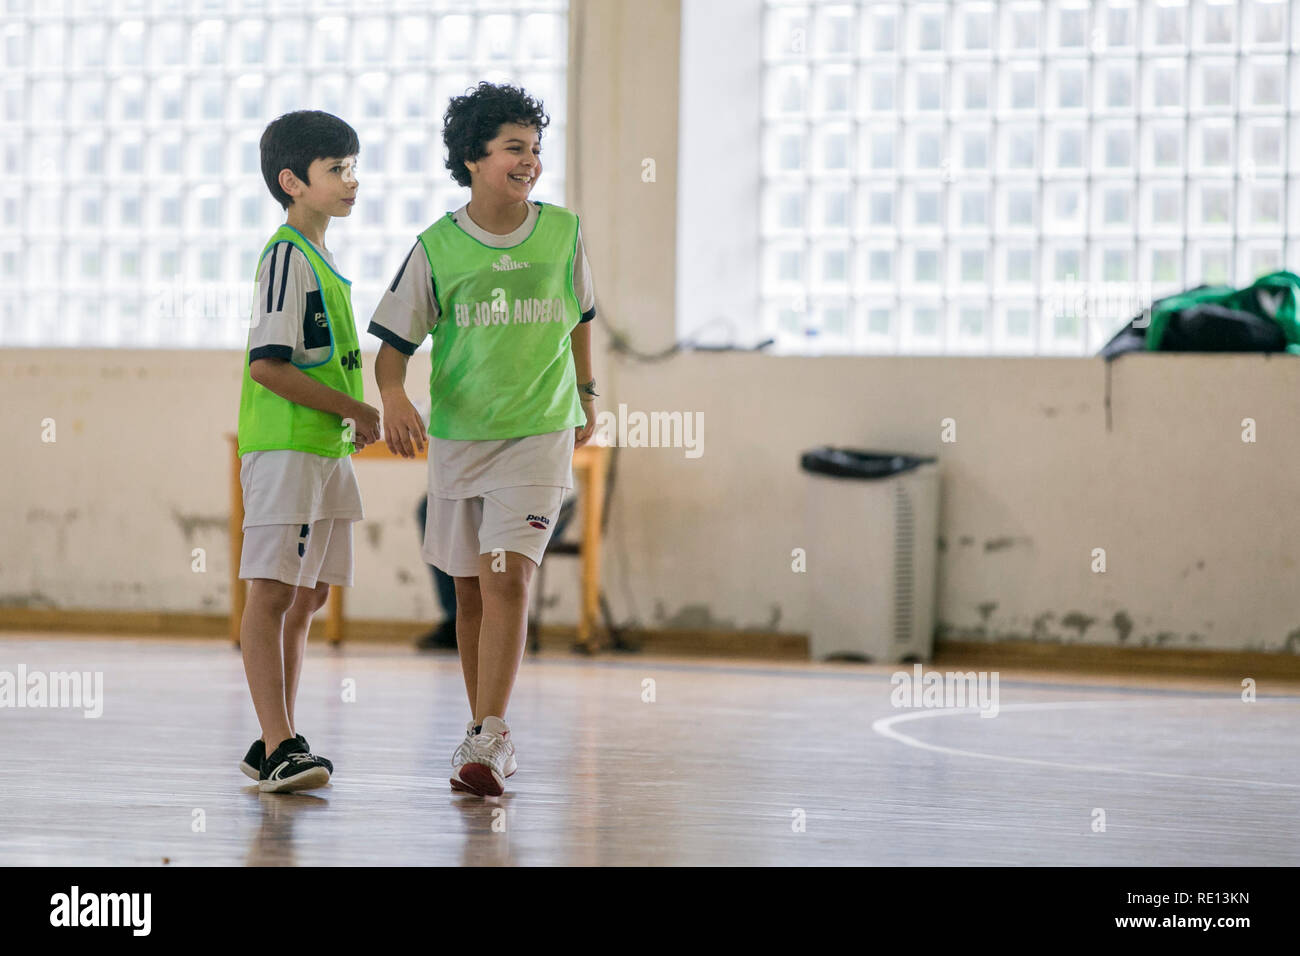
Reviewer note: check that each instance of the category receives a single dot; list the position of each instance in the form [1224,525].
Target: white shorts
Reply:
[517,519]
[299,554]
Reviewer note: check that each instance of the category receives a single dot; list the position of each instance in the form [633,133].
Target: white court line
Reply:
[885,727]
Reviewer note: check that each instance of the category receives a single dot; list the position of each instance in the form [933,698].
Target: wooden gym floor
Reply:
[714,771]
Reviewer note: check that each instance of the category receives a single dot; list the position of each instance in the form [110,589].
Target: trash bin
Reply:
[872,522]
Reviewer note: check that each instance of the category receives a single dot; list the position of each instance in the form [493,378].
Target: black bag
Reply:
[1216,328]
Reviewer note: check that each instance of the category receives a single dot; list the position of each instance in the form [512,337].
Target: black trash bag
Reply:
[1205,327]
[1130,338]
[1216,328]
[854,463]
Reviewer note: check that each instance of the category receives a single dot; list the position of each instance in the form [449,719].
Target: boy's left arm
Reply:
[580,338]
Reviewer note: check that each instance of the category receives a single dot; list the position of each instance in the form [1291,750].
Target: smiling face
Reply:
[512,165]
[333,187]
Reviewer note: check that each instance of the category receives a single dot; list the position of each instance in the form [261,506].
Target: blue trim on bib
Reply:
[318,252]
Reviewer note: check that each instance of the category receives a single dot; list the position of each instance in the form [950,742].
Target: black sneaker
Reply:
[328,766]
[291,766]
[251,765]
[442,637]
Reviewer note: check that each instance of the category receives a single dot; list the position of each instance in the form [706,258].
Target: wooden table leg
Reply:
[598,519]
[334,623]
[593,508]
[582,471]
[236,535]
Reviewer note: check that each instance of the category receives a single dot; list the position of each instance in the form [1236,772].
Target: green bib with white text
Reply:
[502,360]
[267,421]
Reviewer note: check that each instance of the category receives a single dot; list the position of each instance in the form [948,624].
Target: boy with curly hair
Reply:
[503,286]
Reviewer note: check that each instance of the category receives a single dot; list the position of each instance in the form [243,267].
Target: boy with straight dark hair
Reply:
[300,417]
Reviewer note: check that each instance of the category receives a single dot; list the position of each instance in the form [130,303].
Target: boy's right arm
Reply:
[403,426]
[281,377]
[406,313]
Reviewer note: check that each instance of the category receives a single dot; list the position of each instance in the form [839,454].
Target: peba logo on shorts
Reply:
[539,521]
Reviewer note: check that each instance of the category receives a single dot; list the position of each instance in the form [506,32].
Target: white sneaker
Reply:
[461,756]
[491,759]
[458,759]
[462,752]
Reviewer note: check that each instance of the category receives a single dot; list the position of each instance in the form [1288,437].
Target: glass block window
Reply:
[1020,176]
[129,138]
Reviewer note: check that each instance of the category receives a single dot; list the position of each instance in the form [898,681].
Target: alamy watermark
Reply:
[83,689]
[191,299]
[1103,302]
[952,689]
[651,430]
[130,910]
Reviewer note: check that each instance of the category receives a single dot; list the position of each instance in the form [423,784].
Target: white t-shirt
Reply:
[283,486]
[407,313]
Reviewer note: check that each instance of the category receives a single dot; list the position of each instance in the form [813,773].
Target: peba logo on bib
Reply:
[540,522]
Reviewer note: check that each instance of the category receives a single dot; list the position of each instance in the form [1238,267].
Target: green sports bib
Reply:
[267,421]
[502,361]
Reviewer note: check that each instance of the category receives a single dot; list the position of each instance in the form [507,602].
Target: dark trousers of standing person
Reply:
[444,634]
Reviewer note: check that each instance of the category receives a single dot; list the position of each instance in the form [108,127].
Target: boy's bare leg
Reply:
[504,630]
[297,622]
[469,616]
[260,640]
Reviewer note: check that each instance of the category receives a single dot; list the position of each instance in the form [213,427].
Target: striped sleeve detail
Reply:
[400,272]
[270,285]
[284,278]
[392,338]
[270,351]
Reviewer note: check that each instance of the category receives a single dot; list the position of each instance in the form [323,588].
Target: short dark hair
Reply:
[295,140]
[474,119]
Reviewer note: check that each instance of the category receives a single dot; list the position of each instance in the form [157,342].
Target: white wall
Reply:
[1200,536]
[1198,527]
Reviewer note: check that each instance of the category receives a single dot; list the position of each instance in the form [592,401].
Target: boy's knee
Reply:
[274,596]
[512,581]
[467,592]
[312,599]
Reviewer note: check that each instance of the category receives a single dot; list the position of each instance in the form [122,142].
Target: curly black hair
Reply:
[295,140]
[472,120]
